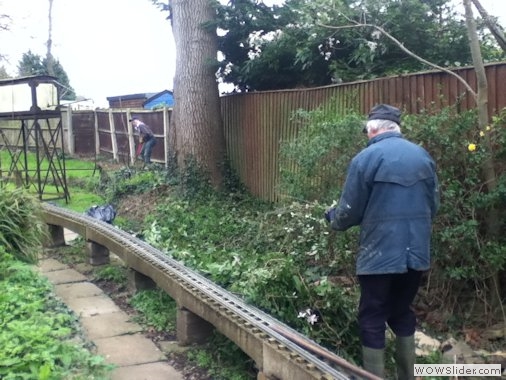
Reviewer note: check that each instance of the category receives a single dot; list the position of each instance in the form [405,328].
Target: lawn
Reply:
[81,177]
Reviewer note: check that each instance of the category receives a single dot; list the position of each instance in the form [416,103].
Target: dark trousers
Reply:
[147,148]
[386,299]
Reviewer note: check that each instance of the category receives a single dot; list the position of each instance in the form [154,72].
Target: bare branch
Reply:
[407,51]
[5,22]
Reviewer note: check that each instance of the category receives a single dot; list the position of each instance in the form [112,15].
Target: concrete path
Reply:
[116,338]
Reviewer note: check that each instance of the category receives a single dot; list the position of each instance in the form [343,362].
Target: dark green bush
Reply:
[313,166]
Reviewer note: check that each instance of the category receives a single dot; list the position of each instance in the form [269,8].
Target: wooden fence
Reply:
[255,123]
[108,132]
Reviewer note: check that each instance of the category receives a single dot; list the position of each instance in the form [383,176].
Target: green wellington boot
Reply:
[405,357]
[374,360]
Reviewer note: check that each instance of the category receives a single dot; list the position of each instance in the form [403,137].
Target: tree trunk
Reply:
[492,217]
[49,54]
[196,118]
[491,24]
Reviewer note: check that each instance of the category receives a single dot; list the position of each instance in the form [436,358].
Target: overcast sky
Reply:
[107,47]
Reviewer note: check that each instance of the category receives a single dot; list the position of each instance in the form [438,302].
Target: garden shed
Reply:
[129,101]
[162,99]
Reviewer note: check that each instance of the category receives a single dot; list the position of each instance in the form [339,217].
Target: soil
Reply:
[136,207]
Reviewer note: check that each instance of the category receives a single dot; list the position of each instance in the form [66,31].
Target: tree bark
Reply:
[196,120]
[491,24]
[488,170]
[49,54]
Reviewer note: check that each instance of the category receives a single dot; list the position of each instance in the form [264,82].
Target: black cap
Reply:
[385,112]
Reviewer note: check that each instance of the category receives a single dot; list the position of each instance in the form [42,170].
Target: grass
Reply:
[74,168]
[81,178]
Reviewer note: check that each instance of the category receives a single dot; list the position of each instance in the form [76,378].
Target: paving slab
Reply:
[89,306]
[150,371]
[119,340]
[77,290]
[65,276]
[50,265]
[108,325]
[128,350]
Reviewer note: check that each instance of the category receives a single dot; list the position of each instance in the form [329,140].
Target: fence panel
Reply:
[255,123]
[83,125]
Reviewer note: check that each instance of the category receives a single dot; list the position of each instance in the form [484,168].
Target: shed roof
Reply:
[156,95]
[143,95]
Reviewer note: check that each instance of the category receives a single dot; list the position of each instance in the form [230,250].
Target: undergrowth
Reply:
[223,359]
[39,338]
[22,227]
[156,308]
[282,259]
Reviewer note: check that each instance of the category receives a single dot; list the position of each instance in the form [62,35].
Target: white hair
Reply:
[378,125]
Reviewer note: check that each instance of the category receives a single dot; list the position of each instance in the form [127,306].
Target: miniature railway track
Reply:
[279,351]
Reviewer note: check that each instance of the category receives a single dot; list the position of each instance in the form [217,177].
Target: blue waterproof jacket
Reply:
[391,191]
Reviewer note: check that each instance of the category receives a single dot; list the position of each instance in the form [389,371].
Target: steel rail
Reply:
[302,350]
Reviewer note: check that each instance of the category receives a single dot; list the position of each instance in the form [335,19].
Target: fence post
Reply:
[70,132]
[166,135]
[114,142]
[131,140]
[97,135]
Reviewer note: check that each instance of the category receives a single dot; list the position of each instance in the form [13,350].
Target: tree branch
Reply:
[407,51]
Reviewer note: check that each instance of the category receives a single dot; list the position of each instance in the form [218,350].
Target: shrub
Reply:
[313,165]
[22,229]
[466,251]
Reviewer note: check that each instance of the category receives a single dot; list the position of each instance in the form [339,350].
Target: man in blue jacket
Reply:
[391,191]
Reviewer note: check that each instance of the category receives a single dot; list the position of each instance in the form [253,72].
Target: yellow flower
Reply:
[482,133]
[487,128]
[471,147]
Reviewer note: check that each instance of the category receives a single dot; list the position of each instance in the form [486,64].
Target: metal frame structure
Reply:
[32,103]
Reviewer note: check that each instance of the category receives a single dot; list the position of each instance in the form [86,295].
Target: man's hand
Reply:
[330,214]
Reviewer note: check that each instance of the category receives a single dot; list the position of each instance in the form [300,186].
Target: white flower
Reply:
[303,314]
[308,314]
[312,319]
[376,34]
[372,45]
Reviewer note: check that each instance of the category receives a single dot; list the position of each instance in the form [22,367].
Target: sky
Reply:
[107,47]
